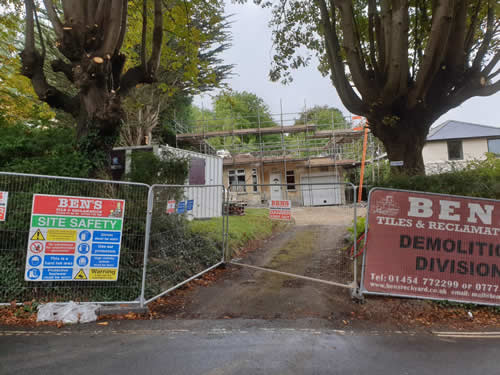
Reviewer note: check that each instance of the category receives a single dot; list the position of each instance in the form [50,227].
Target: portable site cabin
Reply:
[203,170]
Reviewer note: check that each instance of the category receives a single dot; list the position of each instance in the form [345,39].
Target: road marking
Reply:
[470,335]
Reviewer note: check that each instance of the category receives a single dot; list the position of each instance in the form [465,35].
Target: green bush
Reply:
[360,228]
[477,179]
[48,151]
[177,252]
[150,169]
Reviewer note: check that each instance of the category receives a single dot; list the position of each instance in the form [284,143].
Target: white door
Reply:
[275,190]
[321,195]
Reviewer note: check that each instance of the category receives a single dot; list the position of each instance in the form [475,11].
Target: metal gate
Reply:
[179,246]
[313,244]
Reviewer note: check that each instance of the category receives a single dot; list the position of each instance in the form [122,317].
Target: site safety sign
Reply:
[433,246]
[280,210]
[74,238]
[3,204]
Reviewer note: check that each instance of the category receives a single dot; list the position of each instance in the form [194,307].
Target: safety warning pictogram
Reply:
[36,247]
[80,275]
[38,236]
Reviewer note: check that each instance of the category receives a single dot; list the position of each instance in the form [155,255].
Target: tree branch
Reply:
[144,33]
[348,96]
[60,66]
[493,75]
[488,35]
[40,34]
[54,19]
[372,14]
[455,55]
[154,61]
[123,27]
[469,39]
[29,34]
[112,28]
[386,32]
[352,49]
[435,50]
[397,74]
[32,67]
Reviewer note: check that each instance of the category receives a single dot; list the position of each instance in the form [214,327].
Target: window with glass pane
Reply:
[237,180]
[455,151]
[494,146]
[290,180]
[254,179]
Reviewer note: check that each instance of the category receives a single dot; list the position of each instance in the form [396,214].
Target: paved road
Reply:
[239,347]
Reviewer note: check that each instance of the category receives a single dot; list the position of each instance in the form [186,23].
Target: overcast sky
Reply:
[252,53]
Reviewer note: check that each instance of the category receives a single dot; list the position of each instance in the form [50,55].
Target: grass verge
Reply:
[254,225]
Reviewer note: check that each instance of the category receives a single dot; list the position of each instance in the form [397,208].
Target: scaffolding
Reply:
[280,138]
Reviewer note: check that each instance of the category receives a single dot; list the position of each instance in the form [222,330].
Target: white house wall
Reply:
[207,200]
[435,154]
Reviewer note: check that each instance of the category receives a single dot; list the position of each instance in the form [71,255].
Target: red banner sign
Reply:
[433,246]
[3,204]
[280,210]
[77,206]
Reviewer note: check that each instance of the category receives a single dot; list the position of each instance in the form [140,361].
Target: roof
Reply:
[458,130]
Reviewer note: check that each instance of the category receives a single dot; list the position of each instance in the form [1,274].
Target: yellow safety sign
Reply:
[80,275]
[104,274]
[38,236]
[61,235]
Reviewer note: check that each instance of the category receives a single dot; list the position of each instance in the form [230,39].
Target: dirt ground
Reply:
[326,215]
[316,251]
[308,250]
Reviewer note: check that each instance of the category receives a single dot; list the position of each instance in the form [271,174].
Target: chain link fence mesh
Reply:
[186,235]
[14,237]
[318,245]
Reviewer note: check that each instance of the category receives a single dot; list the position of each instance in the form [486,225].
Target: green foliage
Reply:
[324,117]
[18,101]
[195,34]
[478,179]
[235,110]
[360,228]
[150,169]
[254,225]
[177,253]
[48,150]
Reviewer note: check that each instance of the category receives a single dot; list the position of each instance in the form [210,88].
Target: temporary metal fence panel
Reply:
[181,246]
[315,248]
[15,238]
[432,246]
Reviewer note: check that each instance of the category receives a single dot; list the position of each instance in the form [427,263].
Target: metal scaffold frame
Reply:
[337,141]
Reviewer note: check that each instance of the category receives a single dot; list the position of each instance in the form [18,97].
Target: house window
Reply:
[455,151]
[254,180]
[237,180]
[494,146]
[290,180]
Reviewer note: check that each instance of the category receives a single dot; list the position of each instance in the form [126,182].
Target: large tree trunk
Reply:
[404,141]
[98,127]
[89,34]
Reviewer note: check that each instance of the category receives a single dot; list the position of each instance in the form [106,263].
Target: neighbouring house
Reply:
[453,143]
[204,169]
[251,179]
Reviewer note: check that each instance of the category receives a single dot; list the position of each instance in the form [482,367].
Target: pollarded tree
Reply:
[401,63]
[89,35]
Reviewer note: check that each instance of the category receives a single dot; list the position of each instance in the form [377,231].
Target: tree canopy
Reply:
[401,64]
[84,57]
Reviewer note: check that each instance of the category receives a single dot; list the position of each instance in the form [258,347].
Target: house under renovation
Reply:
[300,163]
